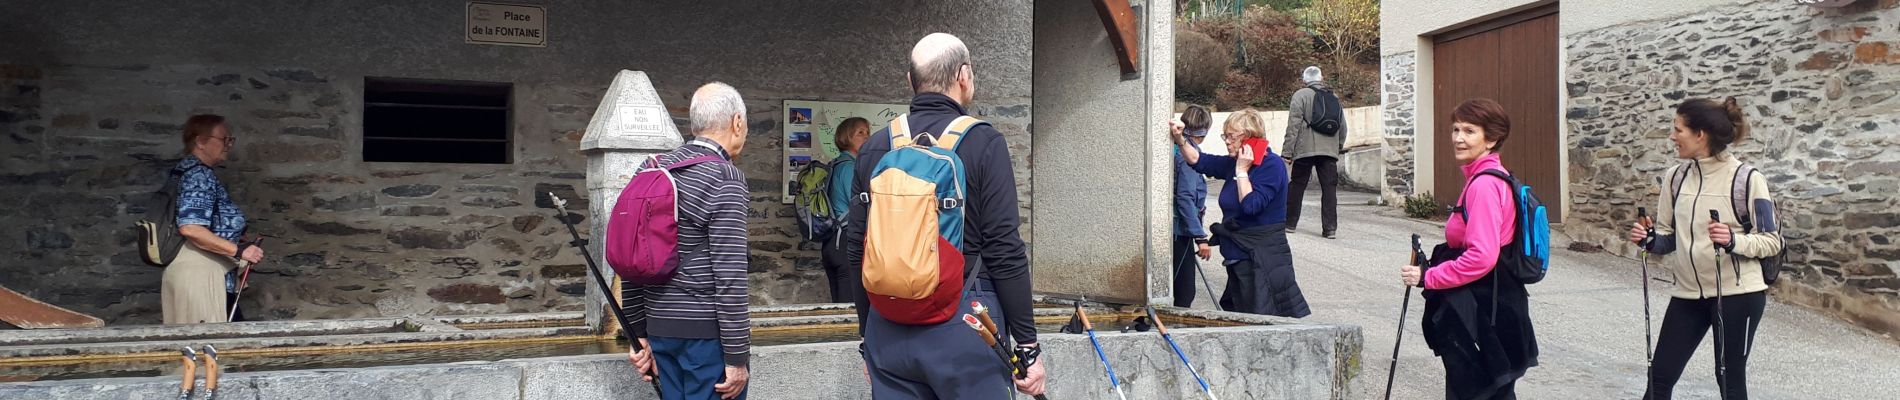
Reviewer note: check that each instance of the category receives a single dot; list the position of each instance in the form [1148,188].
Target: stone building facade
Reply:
[92,105]
[1821,89]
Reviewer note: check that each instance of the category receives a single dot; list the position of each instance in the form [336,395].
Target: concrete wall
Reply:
[1306,362]
[1819,90]
[1403,23]
[1360,119]
[92,98]
[1362,168]
[1082,108]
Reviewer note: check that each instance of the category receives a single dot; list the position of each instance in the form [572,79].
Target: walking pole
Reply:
[626,328]
[1642,217]
[1721,329]
[211,373]
[1391,371]
[1017,367]
[244,278]
[1210,287]
[1090,328]
[190,386]
[1205,389]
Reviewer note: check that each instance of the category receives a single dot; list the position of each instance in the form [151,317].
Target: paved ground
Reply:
[1589,318]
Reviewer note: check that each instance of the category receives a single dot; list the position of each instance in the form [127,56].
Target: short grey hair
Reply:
[1312,74]
[713,105]
[936,72]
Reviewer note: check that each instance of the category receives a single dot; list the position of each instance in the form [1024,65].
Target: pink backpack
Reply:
[643,234]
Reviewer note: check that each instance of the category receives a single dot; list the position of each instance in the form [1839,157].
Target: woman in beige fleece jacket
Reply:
[1689,242]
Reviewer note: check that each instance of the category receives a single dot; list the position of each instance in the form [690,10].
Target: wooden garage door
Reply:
[1513,60]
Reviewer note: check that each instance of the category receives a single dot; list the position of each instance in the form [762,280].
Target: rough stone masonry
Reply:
[351,239]
[1822,93]
[89,144]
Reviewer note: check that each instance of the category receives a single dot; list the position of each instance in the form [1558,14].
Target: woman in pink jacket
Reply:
[1478,322]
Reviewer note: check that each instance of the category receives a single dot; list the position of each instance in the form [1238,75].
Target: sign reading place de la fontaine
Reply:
[507,24]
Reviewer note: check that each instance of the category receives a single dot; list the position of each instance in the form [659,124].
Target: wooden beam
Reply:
[1119,19]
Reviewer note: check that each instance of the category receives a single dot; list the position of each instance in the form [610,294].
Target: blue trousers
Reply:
[943,361]
[689,367]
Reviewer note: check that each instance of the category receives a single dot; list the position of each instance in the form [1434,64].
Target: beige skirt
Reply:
[193,291]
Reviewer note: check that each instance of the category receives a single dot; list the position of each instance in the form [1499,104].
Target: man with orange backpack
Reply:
[677,240]
[936,192]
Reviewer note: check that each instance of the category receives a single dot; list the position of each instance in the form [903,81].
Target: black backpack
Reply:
[1739,196]
[1326,113]
[159,240]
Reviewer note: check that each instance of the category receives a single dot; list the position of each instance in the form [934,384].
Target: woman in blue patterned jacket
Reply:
[196,281]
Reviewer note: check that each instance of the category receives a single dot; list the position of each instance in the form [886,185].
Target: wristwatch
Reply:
[1200,240]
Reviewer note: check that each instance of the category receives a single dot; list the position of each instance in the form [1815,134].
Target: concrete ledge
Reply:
[202,331]
[239,345]
[576,317]
[1288,361]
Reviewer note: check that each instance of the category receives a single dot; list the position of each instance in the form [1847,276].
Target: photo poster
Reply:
[811,127]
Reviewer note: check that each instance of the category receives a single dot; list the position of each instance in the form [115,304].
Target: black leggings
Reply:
[1184,268]
[1683,327]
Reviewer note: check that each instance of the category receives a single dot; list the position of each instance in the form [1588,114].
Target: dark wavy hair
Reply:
[1722,121]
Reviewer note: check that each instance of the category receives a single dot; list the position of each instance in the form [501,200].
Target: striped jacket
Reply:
[707,296]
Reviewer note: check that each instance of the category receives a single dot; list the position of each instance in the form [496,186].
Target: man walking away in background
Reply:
[1316,137]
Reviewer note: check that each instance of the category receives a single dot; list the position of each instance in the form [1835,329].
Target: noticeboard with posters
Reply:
[810,132]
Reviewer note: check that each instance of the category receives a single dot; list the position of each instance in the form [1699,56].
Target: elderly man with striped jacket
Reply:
[695,329]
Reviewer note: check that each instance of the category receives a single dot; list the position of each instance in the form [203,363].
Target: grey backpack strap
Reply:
[1739,194]
[1676,180]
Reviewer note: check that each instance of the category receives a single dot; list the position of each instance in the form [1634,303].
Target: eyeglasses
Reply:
[228,141]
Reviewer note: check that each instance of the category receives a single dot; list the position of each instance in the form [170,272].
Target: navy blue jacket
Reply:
[1265,206]
[990,232]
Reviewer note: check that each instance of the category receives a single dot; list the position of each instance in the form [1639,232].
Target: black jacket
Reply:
[1484,325]
[1269,270]
[990,233]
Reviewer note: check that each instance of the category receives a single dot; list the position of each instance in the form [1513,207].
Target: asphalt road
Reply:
[1589,321]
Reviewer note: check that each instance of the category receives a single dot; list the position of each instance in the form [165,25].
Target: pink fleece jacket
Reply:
[1485,228]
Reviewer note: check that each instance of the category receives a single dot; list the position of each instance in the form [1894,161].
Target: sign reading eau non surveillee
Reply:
[507,24]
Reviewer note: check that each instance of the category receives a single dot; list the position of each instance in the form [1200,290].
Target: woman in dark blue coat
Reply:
[1252,233]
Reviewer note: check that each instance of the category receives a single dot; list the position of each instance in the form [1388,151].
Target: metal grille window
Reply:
[432,121]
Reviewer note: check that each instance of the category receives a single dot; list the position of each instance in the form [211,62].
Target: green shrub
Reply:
[1270,47]
[1200,64]
[1423,206]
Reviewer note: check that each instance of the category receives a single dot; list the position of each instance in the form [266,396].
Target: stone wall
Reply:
[1399,86]
[92,103]
[1822,94]
[91,143]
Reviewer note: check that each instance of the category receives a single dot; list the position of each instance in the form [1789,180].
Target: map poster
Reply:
[811,130]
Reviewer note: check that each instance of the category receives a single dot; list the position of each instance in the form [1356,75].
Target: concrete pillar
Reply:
[1103,177]
[1157,52]
[630,126]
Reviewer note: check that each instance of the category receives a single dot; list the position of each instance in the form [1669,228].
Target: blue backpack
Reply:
[913,233]
[1527,257]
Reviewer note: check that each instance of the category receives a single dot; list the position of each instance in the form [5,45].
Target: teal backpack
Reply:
[1527,257]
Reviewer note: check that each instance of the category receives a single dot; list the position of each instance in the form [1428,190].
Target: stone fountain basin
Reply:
[1249,357]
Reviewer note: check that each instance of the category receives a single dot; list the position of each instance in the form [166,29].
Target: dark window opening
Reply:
[411,120]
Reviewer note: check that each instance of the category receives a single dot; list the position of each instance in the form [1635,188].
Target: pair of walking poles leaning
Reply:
[981,323]
[1649,351]
[190,359]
